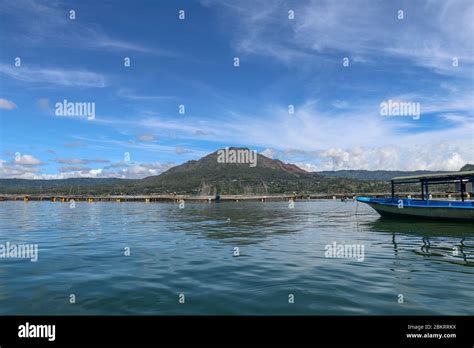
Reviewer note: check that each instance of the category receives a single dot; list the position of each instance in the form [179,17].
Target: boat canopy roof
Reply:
[442,177]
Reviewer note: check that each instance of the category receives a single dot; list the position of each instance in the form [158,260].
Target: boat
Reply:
[425,207]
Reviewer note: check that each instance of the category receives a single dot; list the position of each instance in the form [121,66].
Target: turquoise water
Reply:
[190,251]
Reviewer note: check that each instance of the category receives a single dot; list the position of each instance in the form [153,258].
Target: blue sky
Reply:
[138,131]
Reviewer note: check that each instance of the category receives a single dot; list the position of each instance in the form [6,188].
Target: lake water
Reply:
[282,267]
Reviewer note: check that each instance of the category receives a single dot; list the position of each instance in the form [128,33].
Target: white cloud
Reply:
[181,150]
[450,156]
[42,103]
[270,153]
[7,104]
[147,137]
[27,169]
[130,171]
[309,167]
[73,169]
[142,170]
[27,160]
[23,168]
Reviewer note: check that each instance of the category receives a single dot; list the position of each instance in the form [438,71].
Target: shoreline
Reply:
[210,198]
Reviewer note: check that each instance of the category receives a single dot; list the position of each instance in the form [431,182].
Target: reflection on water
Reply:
[191,251]
[423,228]
[448,237]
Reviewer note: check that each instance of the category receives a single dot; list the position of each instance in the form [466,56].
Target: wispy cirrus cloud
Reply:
[139,146]
[314,127]
[53,76]
[430,35]
[47,24]
[80,160]
[127,94]
[74,144]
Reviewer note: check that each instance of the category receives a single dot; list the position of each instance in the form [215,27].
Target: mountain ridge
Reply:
[383,175]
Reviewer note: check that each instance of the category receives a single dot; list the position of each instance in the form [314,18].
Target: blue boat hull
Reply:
[425,209]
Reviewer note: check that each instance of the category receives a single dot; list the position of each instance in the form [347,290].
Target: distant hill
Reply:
[383,175]
[467,167]
[61,186]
